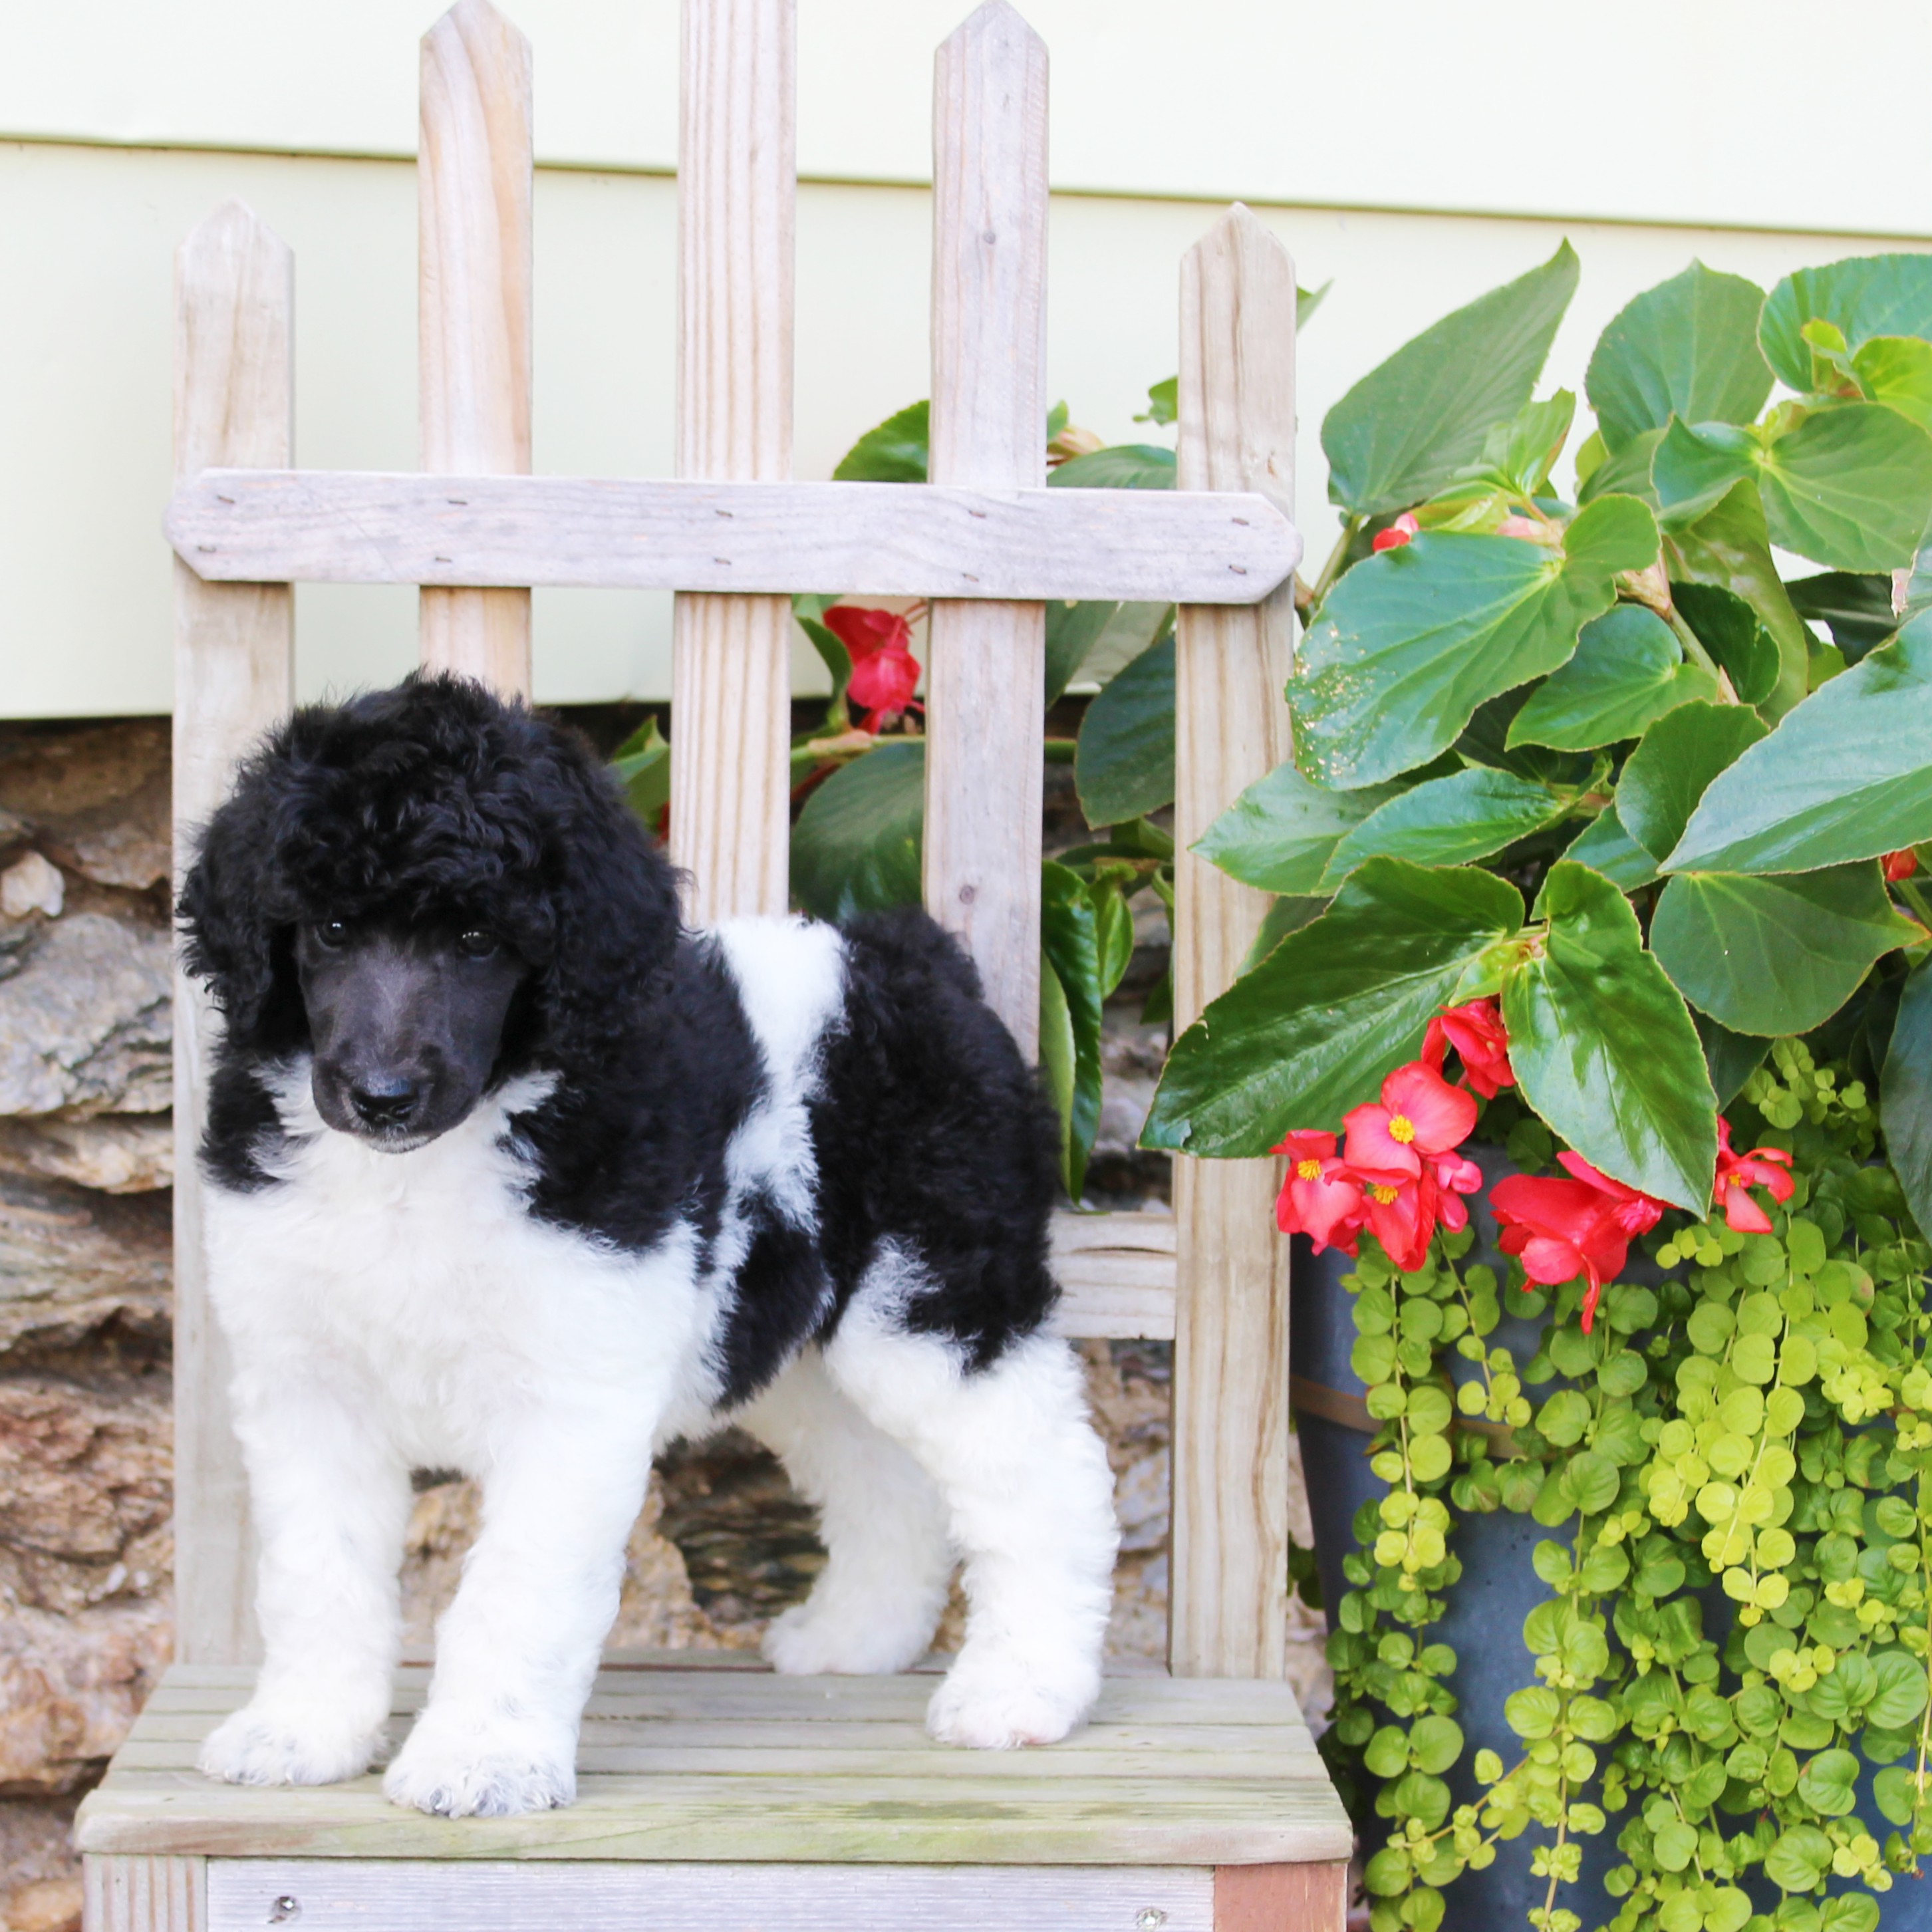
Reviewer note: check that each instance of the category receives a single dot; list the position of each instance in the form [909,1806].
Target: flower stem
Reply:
[1332,569]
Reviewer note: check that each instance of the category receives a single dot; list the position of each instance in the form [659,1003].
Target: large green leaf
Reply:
[1123,763]
[641,764]
[1897,371]
[1688,348]
[1774,955]
[1695,467]
[1407,428]
[1730,547]
[1629,670]
[1604,1049]
[1125,466]
[1623,473]
[1280,833]
[1448,821]
[1850,487]
[1731,1058]
[1735,635]
[855,847]
[1862,297]
[1846,776]
[1856,607]
[894,452]
[1315,1027]
[1069,938]
[1605,847]
[1905,1095]
[1412,642]
[1681,754]
[1092,640]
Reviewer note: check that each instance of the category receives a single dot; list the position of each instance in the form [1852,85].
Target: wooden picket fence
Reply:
[717,1796]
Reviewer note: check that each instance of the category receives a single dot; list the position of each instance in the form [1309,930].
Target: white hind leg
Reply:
[1030,1500]
[889,1560]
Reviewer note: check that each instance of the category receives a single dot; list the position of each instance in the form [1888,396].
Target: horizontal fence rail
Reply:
[862,539]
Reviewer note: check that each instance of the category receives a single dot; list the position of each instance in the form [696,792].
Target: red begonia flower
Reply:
[1397,534]
[885,673]
[1563,1228]
[1420,1113]
[1316,1199]
[1737,1173]
[1476,1032]
[1900,865]
[1455,1176]
[1401,1215]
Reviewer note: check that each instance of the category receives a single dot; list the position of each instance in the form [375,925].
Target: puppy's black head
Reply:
[431,889]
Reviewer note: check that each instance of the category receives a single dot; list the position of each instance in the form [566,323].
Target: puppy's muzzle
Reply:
[387,1103]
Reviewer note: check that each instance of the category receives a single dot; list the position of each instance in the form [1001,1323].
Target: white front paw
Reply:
[815,1639]
[279,1741]
[464,1765]
[994,1700]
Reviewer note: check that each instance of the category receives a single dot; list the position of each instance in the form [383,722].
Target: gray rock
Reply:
[71,1260]
[85,1021]
[119,1153]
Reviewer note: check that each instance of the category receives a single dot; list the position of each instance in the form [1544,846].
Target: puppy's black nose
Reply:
[384,1100]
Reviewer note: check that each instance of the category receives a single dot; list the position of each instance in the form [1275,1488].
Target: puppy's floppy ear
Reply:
[228,926]
[613,898]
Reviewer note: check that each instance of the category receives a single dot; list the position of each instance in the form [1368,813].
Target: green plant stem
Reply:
[1332,569]
[1693,648]
[1913,894]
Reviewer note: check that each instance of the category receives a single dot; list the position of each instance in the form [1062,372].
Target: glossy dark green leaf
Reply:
[1774,955]
[1336,1006]
[1849,487]
[1284,916]
[1730,548]
[1733,632]
[1125,466]
[855,847]
[1090,640]
[1411,642]
[1681,754]
[1069,936]
[1604,1049]
[1281,833]
[1856,607]
[1730,1058]
[1412,423]
[1905,1095]
[1695,467]
[1688,348]
[1123,766]
[1448,821]
[896,451]
[1605,847]
[1059,1058]
[1629,670]
[1846,776]
[642,766]
[1862,297]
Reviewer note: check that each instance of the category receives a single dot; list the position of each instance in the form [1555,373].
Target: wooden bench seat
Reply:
[729,1767]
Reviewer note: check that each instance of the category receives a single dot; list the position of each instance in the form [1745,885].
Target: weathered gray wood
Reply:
[1229,1606]
[868,539]
[1116,1273]
[731,658]
[473,181]
[234,677]
[334,1896]
[983,724]
[142,1894]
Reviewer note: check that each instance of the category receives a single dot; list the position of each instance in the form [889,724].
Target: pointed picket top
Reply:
[234,332]
[481,36]
[995,23]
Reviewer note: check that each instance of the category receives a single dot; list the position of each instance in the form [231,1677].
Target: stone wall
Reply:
[86,1153]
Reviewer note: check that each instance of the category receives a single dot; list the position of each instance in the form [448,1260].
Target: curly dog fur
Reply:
[511,1173]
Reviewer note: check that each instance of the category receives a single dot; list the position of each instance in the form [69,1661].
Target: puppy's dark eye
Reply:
[330,933]
[476,943]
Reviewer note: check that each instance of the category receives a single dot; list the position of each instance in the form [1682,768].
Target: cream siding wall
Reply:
[1286,104]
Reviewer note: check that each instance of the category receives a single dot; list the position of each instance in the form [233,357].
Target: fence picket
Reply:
[730,655]
[473,181]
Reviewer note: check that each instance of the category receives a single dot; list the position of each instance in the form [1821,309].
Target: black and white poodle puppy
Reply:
[510,1173]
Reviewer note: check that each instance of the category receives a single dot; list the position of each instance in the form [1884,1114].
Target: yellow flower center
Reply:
[1308,1170]
[1384,1195]
[1401,1128]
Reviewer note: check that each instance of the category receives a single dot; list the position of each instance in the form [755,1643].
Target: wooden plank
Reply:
[1282,1898]
[1228,1608]
[868,539]
[888,1820]
[984,742]
[333,1896]
[144,1893]
[234,678]
[730,656]
[1116,1275]
[473,178]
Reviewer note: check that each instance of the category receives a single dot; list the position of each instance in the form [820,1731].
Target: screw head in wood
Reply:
[1150,1919]
[286,1908]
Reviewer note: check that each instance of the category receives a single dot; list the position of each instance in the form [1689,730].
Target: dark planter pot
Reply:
[1497,1590]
